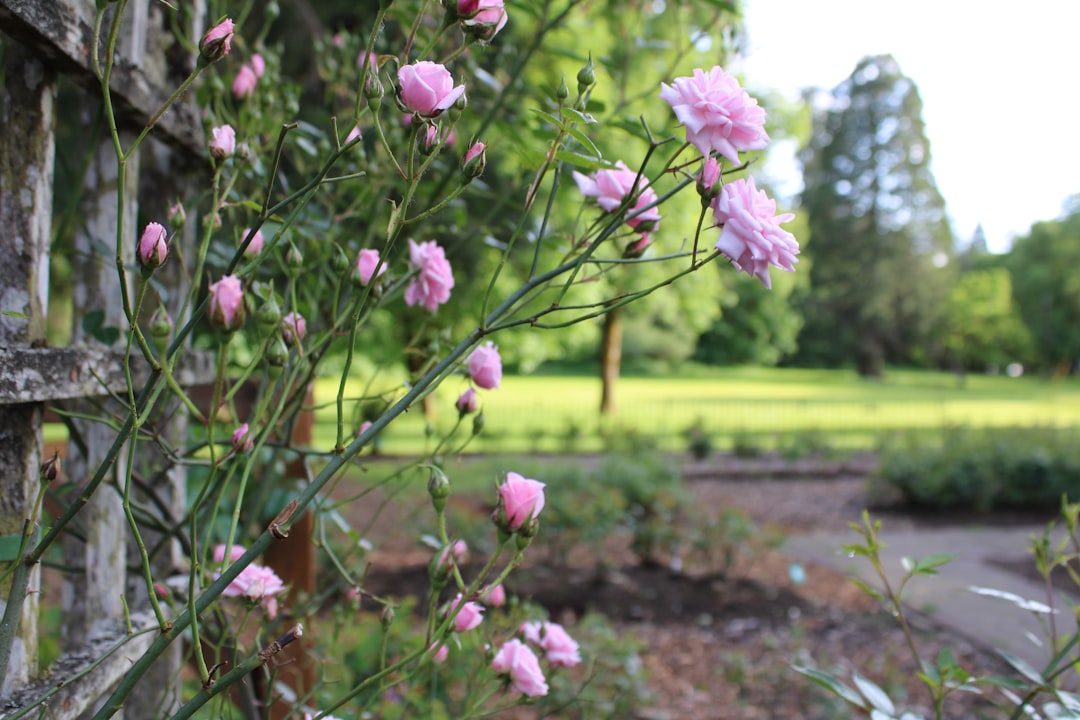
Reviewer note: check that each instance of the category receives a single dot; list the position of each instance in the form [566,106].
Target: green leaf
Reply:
[93,325]
[12,313]
[876,594]
[581,161]
[1024,668]
[833,685]
[549,117]
[927,564]
[586,118]
[874,694]
[585,141]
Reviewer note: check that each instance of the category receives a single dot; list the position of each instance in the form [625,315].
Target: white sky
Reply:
[1000,85]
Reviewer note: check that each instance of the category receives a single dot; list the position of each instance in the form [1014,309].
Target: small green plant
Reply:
[698,440]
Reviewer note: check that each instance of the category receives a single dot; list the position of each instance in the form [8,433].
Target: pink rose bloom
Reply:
[152,249]
[259,584]
[752,238]
[242,439]
[353,134]
[441,654]
[217,42]
[234,553]
[467,402]
[486,20]
[522,500]
[494,596]
[256,245]
[470,615]
[244,83]
[427,89]
[366,262]
[518,661]
[611,187]
[431,286]
[294,328]
[227,303]
[562,650]
[717,113]
[222,141]
[258,65]
[455,554]
[485,366]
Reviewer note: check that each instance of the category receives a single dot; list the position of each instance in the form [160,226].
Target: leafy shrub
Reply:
[986,469]
[698,440]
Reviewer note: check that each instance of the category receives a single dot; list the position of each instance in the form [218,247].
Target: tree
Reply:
[1046,288]
[982,323]
[879,238]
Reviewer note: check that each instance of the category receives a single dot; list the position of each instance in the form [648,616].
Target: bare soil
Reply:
[721,646]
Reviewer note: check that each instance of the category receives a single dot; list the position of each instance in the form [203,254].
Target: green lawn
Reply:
[553,413]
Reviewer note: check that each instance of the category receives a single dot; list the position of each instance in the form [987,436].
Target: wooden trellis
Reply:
[42,41]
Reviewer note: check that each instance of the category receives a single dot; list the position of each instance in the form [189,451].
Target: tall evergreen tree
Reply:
[879,238]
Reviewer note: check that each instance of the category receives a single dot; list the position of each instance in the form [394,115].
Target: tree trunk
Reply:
[870,357]
[610,359]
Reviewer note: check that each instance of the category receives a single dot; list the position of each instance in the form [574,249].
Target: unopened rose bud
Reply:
[161,327]
[217,42]
[438,488]
[268,317]
[429,140]
[277,354]
[478,424]
[340,261]
[708,181]
[294,258]
[637,248]
[227,303]
[386,617]
[467,403]
[50,468]
[294,328]
[177,216]
[222,142]
[586,77]
[152,250]
[562,92]
[475,160]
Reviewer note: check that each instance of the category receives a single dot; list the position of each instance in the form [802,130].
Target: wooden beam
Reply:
[62,31]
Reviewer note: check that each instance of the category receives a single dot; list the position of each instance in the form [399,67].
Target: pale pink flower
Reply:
[441,654]
[234,553]
[495,596]
[611,187]
[485,366]
[152,249]
[752,238]
[456,553]
[561,649]
[519,662]
[427,88]
[256,245]
[217,42]
[242,438]
[294,328]
[366,262]
[431,286]
[522,499]
[372,61]
[467,402]
[222,141]
[486,19]
[258,65]
[244,82]
[717,113]
[259,584]
[353,134]
[227,303]
[470,616]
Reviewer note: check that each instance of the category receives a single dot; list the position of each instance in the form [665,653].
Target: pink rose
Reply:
[366,262]
[294,328]
[456,553]
[518,661]
[467,402]
[494,596]
[466,8]
[244,83]
[427,89]
[222,141]
[234,553]
[258,65]
[217,42]
[431,286]
[441,654]
[752,238]
[708,178]
[227,303]
[561,649]
[256,245]
[243,439]
[485,366]
[259,584]
[152,249]
[612,187]
[522,500]
[485,21]
[470,615]
[717,113]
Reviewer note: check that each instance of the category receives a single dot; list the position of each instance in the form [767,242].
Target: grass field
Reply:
[559,413]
